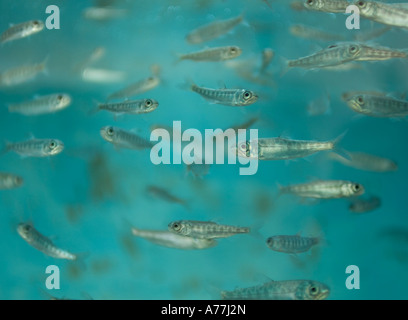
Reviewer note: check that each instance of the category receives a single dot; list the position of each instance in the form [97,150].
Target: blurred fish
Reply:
[42,243]
[267,56]
[102,75]
[42,104]
[124,139]
[213,54]
[392,14]
[163,194]
[136,88]
[366,162]
[22,30]
[10,181]
[95,55]
[331,6]
[324,189]
[291,244]
[172,240]
[308,32]
[377,105]
[280,290]
[36,147]
[284,149]
[319,106]
[198,170]
[130,106]
[297,6]
[205,229]
[213,30]
[21,74]
[228,97]
[103,13]
[360,205]
[371,34]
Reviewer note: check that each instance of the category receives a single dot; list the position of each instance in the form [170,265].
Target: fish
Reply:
[36,147]
[21,30]
[103,13]
[163,194]
[376,105]
[42,243]
[366,162]
[308,32]
[213,30]
[291,244]
[102,75]
[213,54]
[330,6]
[319,106]
[392,14]
[267,56]
[228,97]
[10,181]
[204,229]
[172,240]
[324,189]
[130,106]
[21,74]
[371,34]
[198,170]
[136,88]
[280,290]
[360,205]
[284,149]
[42,105]
[124,139]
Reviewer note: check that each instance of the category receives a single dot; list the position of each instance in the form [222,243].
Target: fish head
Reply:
[52,147]
[314,4]
[270,242]
[16,181]
[149,105]
[365,7]
[352,189]
[232,52]
[179,227]
[24,230]
[37,25]
[314,290]
[356,102]
[352,51]
[108,133]
[63,100]
[247,149]
[247,97]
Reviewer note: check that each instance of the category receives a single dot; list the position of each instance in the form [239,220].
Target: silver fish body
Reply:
[136,88]
[172,240]
[22,30]
[21,74]
[324,189]
[229,97]
[213,54]
[366,162]
[42,105]
[331,6]
[291,244]
[130,106]
[10,181]
[392,14]
[36,147]
[124,139]
[280,290]
[212,30]
[205,229]
[42,243]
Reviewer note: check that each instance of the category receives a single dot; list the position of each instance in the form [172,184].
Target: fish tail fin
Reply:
[284,66]
[95,108]
[339,150]
[5,148]
[187,85]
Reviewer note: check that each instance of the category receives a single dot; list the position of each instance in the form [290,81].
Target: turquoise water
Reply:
[88,197]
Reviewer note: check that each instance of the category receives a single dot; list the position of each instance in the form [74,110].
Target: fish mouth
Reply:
[58,149]
[323,294]
[353,105]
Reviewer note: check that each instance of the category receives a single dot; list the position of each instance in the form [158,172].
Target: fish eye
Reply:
[60,97]
[361,4]
[356,187]
[233,50]
[176,226]
[52,144]
[36,23]
[309,2]
[27,227]
[247,95]
[352,49]
[313,290]
[148,103]
[360,100]
[18,180]
[110,131]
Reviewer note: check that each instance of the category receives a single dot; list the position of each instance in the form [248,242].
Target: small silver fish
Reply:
[42,243]
[172,240]
[213,54]
[280,290]
[228,97]
[22,30]
[124,139]
[291,244]
[205,229]
[130,106]
[267,56]
[42,105]
[366,162]
[10,181]
[308,32]
[365,205]
[284,149]
[392,14]
[331,6]
[377,105]
[36,147]
[324,189]
[21,74]
[136,88]
[213,30]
